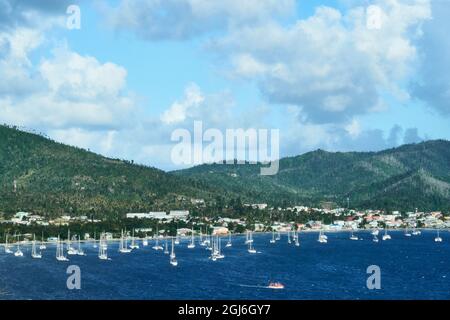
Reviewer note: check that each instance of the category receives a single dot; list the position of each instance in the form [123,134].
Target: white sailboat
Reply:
[60,251]
[278,236]
[173,258]
[322,238]
[353,237]
[133,244]
[219,249]
[191,245]
[247,237]
[416,232]
[229,240]
[251,249]
[273,237]
[386,236]
[70,250]
[34,253]
[200,237]
[438,238]
[375,232]
[166,248]
[42,246]
[95,240]
[145,241]
[177,238]
[289,236]
[297,242]
[407,233]
[18,252]
[157,246]
[375,239]
[123,245]
[102,249]
[7,249]
[80,251]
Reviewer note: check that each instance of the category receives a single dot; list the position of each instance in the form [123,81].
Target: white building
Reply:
[179,214]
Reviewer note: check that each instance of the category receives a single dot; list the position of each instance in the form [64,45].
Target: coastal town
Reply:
[186,223]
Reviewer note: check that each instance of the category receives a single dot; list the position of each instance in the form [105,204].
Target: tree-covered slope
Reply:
[415,175]
[55,178]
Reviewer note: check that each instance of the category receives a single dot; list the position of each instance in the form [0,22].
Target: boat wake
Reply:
[254,286]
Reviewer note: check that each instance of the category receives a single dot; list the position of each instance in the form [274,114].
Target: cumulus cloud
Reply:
[73,91]
[180,110]
[330,64]
[184,19]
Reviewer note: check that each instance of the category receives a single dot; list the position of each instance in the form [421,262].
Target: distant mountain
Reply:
[408,177]
[55,178]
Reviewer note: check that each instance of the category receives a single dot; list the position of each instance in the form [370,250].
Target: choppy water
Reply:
[411,268]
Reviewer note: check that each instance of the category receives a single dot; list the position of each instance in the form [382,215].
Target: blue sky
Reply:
[315,70]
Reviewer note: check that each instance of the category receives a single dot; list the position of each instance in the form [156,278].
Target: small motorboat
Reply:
[275,285]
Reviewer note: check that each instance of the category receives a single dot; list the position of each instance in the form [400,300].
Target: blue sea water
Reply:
[411,268]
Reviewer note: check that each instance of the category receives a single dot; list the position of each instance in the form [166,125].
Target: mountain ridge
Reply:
[57,179]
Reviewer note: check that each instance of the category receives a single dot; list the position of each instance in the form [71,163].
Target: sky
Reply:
[340,75]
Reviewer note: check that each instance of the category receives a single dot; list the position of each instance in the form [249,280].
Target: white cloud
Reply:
[330,64]
[65,91]
[183,19]
[180,110]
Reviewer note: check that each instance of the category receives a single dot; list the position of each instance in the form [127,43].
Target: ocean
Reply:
[410,268]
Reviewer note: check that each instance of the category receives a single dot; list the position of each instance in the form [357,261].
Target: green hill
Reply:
[415,175]
[54,178]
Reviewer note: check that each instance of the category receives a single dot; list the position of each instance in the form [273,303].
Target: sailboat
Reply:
[353,237]
[34,254]
[375,232]
[60,251]
[407,233]
[123,245]
[206,242]
[416,232]
[102,249]
[95,240]
[219,254]
[209,243]
[18,252]
[438,238]
[200,238]
[213,256]
[297,242]
[177,238]
[192,244]
[250,248]
[42,246]
[375,239]
[70,250]
[229,241]
[273,237]
[7,249]
[289,236]
[173,258]
[80,251]
[278,236]
[133,244]
[247,237]
[145,241]
[386,236]
[157,246]
[166,249]
[322,238]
